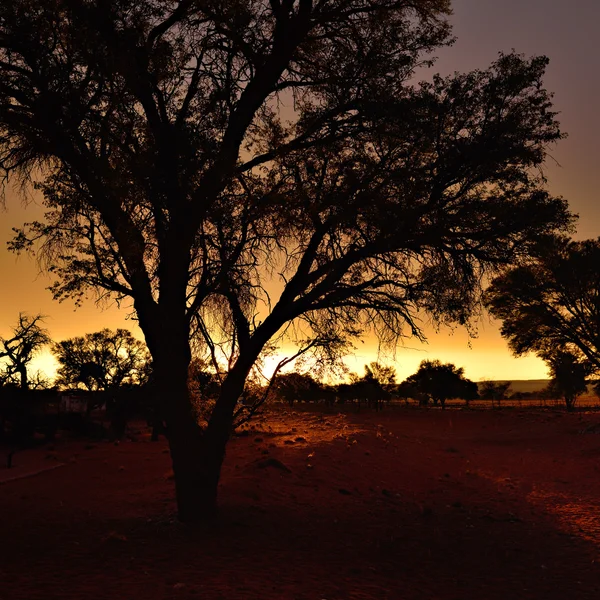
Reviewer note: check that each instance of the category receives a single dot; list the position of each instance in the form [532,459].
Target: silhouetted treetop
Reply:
[439,382]
[569,375]
[28,337]
[552,302]
[104,360]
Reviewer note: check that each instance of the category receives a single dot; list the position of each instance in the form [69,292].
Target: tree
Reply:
[553,302]
[494,390]
[302,387]
[376,384]
[112,362]
[439,382]
[384,375]
[406,390]
[175,176]
[373,387]
[105,360]
[28,337]
[569,376]
[469,391]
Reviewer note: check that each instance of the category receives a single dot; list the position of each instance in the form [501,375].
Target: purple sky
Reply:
[566,32]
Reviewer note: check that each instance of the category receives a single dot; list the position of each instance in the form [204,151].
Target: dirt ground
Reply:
[404,504]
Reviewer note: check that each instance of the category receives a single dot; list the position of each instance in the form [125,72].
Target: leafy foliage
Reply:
[569,376]
[374,387]
[494,390]
[553,302]
[171,157]
[104,360]
[302,387]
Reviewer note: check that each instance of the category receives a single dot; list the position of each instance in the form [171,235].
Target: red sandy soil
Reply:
[406,504]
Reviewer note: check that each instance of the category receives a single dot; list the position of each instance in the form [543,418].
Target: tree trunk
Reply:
[195,483]
[570,402]
[182,430]
[22,369]
[196,458]
[197,455]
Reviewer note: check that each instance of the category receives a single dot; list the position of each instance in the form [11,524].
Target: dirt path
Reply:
[403,505]
[26,462]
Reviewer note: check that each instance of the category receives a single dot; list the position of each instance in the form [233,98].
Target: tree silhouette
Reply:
[384,375]
[104,360]
[553,302]
[175,176]
[292,387]
[407,390]
[439,382]
[494,390]
[28,337]
[112,362]
[569,376]
[374,387]
[376,384]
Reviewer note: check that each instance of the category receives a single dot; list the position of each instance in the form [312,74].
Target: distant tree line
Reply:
[118,368]
[98,361]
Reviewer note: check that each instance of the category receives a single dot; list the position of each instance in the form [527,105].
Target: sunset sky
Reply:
[564,31]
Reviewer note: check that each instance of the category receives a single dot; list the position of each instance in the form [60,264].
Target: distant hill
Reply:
[523,385]
[529,385]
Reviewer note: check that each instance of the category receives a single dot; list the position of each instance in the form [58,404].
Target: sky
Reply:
[565,31]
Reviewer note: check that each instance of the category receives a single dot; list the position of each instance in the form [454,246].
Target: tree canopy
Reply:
[439,382]
[104,360]
[293,386]
[569,376]
[553,302]
[374,386]
[247,170]
[494,390]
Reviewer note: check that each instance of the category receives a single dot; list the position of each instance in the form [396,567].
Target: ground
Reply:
[403,504]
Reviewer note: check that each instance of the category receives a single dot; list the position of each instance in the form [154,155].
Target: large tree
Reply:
[244,170]
[27,338]
[552,303]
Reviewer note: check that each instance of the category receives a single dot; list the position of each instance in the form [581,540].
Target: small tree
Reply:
[439,382]
[378,382]
[407,390]
[291,387]
[494,390]
[28,338]
[374,387]
[469,392]
[569,376]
